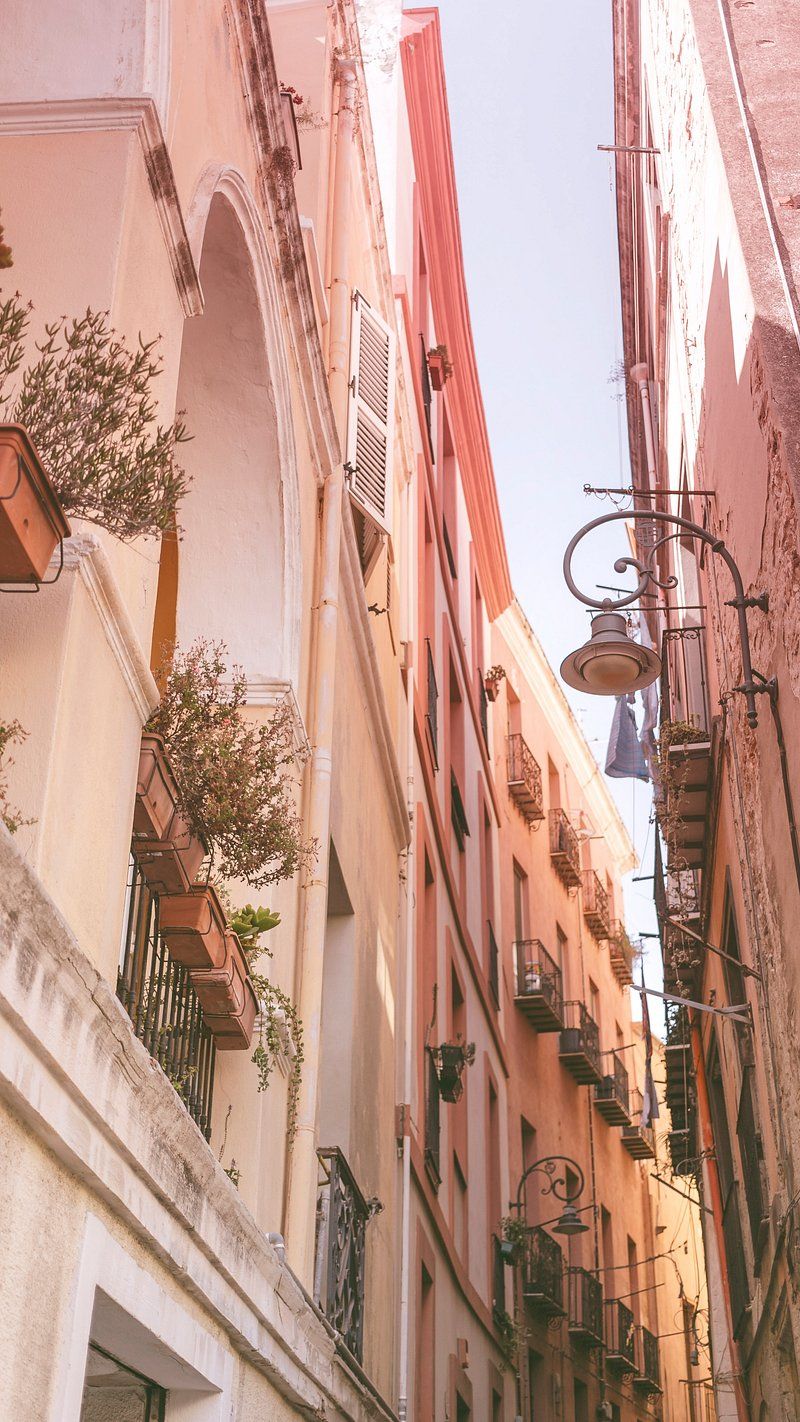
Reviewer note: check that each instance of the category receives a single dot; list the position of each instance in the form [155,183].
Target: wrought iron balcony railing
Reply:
[539,986]
[432,712]
[579,1044]
[158,995]
[342,1216]
[620,1336]
[638,1140]
[611,1095]
[483,706]
[647,1363]
[685,747]
[543,1273]
[585,1312]
[620,951]
[565,849]
[494,965]
[596,908]
[432,1122]
[525,779]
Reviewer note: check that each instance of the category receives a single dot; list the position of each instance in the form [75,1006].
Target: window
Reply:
[594,1002]
[562,960]
[529,1192]
[731,1219]
[521,931]
[581,1396]
[458,815]
[460,1211]
[426,1372]
[448,496]
[113,1390]
[553,785]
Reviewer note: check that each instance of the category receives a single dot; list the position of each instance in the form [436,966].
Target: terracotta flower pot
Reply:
[437,370]
[31,520]
[168,852]
[234,1032]
[491,689]
[193,926]
[223,991]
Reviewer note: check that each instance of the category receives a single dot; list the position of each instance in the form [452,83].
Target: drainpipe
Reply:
[715,1191]
[639,373]
[408,1010]
[302,1192]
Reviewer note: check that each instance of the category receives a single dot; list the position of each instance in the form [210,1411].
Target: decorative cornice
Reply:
[426,95]
[272,692]
[85,556]
[109,115]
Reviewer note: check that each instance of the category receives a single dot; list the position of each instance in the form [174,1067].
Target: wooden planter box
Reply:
[32,523]
[228,998]
[438,370]
[169,854]
[194,928]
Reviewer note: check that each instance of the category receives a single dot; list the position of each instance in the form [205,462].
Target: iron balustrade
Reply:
[565,849]
[483,705]
[614,1087]
[596,907]
[620,1334]
[538,977]
[432,1121]
[585,1305]
[543,1270]
[648,1361]
[432,712]
[524,778]
[580,1043]
[494,965]
[342,1216]
[620,952]
[684,690]
[159,998]
[498,1280]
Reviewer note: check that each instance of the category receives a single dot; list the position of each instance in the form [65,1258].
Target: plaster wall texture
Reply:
[730,391]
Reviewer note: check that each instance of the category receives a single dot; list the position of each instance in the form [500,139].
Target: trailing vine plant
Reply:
[277,1011]
[11,732]
[87,403]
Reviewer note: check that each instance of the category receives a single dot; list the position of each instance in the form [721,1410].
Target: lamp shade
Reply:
[610,663]
[569,1223]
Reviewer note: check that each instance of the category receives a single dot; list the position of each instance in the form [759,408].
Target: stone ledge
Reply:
[72,1068]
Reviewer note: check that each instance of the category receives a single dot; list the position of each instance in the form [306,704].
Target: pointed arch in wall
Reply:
[239,563]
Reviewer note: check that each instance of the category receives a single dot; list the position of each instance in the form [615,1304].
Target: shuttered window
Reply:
[370,423]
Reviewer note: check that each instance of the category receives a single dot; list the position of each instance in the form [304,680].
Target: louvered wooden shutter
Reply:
[370,421]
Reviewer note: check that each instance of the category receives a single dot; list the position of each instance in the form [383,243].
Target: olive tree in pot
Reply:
[79,437]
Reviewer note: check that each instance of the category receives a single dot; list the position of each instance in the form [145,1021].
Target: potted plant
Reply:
[83,411]
[228,997]
[450,1059]
[440,366]
[492,680]
[168,852]
[32,523]
[193,926]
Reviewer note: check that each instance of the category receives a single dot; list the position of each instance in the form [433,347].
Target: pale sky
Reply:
[530,96]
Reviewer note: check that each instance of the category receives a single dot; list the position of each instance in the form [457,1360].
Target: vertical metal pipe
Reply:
[302,1191]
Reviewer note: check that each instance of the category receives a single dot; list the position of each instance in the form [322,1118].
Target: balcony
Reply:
[686,751]
[539,990]
[648,1370]
[158,996]
[494,965]
[585,1311]
[432,704]
[596,908]
[638,1140]
[342,1216]
[565,850]
[677,899]
[543,1274]
[524,779]
[620,1337]
[611,1096]
[579,1045]
[432,1121]
[678,1062]
[620,950]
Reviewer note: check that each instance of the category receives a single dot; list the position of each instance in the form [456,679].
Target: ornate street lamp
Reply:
[611,663]
[568,1221]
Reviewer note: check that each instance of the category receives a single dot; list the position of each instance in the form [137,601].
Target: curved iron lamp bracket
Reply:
[752,684]
[556,1184]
